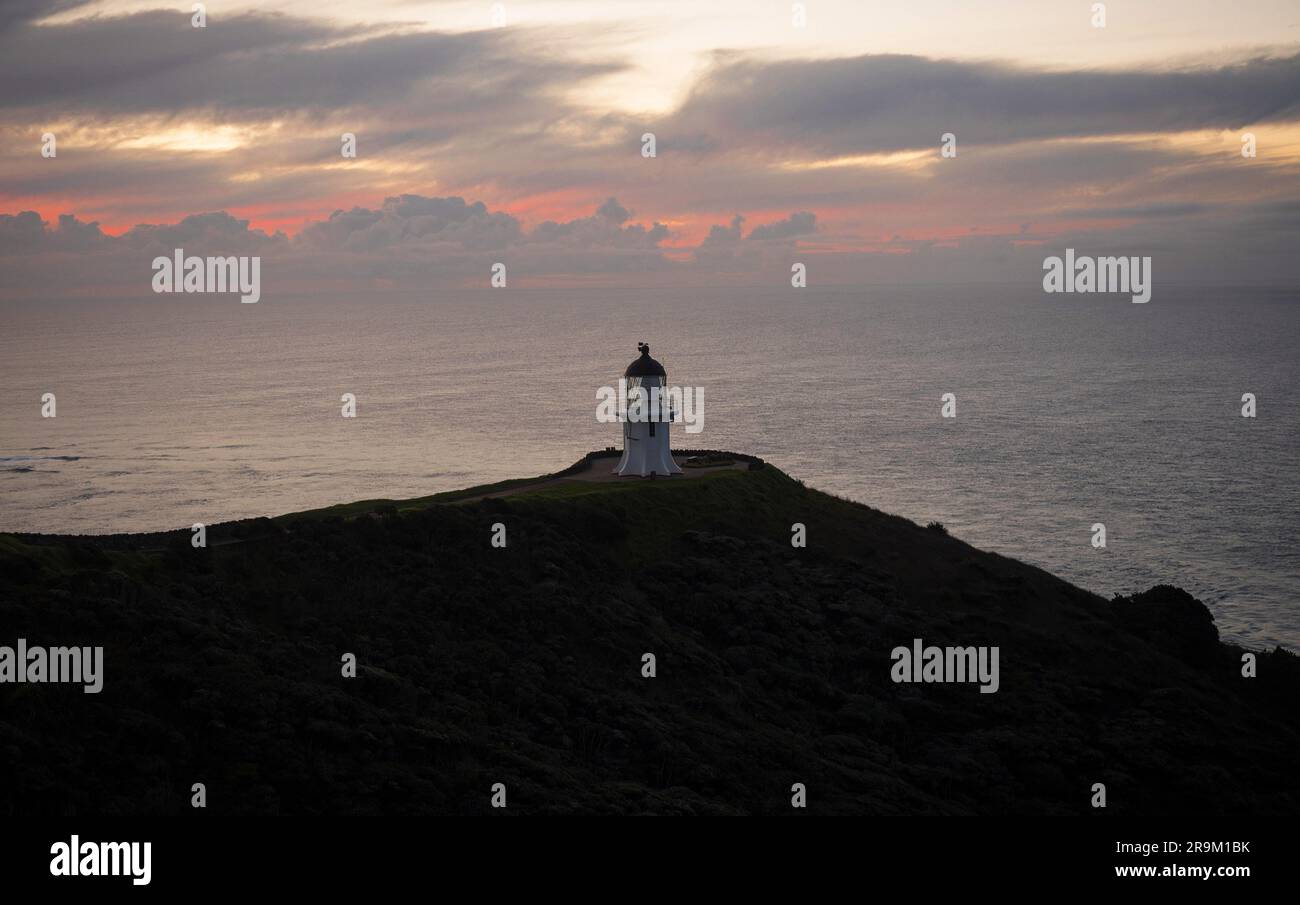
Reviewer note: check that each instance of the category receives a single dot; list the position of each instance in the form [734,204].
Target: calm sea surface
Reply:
[1071,410]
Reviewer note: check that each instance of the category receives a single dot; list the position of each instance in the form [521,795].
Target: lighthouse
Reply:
[646,450]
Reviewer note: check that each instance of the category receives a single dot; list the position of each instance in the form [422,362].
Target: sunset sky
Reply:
[522,141]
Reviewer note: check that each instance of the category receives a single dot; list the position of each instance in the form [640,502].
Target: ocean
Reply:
[1071,410]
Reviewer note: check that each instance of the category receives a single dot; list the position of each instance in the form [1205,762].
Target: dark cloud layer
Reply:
[797,224]
[417,243]
[409,240]
[14,13]
[891,103]
[256,65]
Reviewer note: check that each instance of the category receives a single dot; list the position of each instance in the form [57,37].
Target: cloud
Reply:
[157,120]
[798,224]
[414,242]
[255,65]
[413,220]
[212,233]
[409,240]
[724,235]
[1137,211]
[19,12]
[613,211]
[883,103]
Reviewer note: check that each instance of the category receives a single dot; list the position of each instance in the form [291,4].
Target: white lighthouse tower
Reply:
[646,450]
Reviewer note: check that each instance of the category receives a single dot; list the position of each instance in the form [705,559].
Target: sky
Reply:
[513,133]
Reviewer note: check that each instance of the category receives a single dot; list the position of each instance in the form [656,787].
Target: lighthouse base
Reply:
[646,454]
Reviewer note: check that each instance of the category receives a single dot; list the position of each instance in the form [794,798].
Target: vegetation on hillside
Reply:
[523,666]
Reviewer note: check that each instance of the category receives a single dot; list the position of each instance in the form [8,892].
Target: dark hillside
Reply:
[522,665]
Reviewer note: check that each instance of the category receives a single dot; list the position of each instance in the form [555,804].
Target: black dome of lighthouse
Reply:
[645,366]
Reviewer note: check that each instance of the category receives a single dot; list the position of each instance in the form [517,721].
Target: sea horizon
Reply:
[213,411]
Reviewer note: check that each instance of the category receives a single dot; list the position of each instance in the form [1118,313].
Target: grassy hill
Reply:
[522,665]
